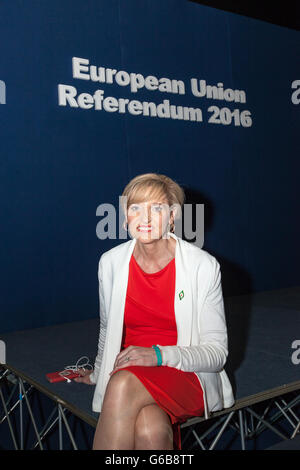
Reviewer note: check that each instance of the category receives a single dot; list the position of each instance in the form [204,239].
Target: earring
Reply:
[125,225]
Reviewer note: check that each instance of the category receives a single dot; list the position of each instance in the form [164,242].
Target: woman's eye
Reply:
[157,208]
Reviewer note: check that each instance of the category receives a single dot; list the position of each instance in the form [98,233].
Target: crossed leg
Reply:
[130,417]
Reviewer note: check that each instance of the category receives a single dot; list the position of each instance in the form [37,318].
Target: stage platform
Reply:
[261,330]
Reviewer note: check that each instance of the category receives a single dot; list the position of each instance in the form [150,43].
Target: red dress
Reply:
[149,319]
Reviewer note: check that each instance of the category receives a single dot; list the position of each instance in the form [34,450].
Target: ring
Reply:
[127,358]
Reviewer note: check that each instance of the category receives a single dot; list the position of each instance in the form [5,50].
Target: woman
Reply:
[163,340]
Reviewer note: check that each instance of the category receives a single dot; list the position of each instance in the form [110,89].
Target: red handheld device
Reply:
[62,376]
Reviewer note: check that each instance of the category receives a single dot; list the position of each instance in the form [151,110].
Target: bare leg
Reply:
[153,429]
[125,396]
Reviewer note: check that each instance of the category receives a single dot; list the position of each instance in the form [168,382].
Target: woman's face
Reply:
[148,221]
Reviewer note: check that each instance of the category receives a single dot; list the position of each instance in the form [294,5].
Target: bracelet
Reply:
[158,355]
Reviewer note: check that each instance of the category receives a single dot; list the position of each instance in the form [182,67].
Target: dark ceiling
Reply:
[285,14]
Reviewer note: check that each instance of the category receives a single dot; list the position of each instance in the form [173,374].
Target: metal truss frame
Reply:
[21,393]
[244,417]
[246,420]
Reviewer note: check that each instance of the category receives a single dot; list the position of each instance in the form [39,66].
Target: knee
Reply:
[152,432]
[120,384]
[121,378]
[153,436]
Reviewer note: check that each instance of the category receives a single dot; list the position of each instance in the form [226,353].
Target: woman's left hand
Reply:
[135,356]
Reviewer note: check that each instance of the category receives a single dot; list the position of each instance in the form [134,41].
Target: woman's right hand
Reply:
[84,377]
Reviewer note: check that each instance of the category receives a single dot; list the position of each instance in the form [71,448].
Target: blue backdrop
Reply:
[59,163]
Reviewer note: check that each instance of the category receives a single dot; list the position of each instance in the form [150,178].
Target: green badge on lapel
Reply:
[181,295]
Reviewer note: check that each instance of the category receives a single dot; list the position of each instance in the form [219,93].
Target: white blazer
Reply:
[199,313]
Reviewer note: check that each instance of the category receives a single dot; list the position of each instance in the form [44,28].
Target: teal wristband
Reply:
[158,355]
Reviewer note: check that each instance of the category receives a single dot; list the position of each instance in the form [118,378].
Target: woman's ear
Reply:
[175,211]
[172,221]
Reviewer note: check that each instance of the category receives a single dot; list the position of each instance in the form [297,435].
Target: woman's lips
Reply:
[144,228]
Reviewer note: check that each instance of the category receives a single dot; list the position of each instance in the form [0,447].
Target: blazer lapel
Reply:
[183,302]
[120,282]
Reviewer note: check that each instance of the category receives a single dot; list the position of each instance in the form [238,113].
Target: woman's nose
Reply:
[146,214]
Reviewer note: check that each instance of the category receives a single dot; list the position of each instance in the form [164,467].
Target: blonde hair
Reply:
[153,186]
